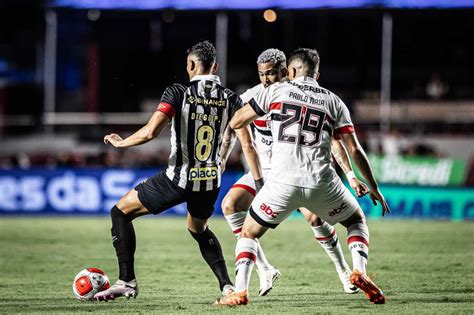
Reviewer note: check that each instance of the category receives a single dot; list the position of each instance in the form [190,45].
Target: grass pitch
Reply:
[422,266]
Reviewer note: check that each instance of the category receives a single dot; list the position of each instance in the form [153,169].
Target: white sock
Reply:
[245,256]
[358,242]
[326,236]
[262,262]
[236,221]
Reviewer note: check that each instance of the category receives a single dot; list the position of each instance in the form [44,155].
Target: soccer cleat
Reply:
[233,299]
[120,288]
[228,289]
[267,278]
[373,293]
[345,277]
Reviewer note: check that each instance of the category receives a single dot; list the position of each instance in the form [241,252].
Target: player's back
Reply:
[202,111]
[304,117]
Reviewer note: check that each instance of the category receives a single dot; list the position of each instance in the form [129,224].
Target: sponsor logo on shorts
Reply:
[268,211]
[203,173]
[339,210]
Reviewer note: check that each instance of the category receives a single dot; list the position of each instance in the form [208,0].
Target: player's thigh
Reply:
[310,217]
[236,200]
[274,203]
[201,204]
[129,204]
[158,193]
[332,202]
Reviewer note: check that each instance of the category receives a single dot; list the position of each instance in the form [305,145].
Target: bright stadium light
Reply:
[270,16]
[93,15]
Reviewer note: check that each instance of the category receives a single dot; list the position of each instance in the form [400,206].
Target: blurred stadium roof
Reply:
[251,4]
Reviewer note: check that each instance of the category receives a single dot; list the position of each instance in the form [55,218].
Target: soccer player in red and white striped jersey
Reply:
[304,117]
[271,66]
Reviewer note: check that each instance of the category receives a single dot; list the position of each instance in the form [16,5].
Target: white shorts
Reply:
[331,202]
[247,182]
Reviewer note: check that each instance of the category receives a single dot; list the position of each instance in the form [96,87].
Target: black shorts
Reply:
[158,193]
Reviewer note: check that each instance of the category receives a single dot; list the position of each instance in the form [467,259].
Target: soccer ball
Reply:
[88,282]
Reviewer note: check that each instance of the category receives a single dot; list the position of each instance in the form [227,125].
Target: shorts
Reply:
[158,193]
[248,183]
[331,202]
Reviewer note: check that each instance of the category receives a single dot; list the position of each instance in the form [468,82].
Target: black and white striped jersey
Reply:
[200,112]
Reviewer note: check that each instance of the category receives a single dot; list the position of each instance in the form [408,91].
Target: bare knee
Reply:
[196,225]
[310,217]
[131,206]
[314,220]
[230,206]
[248,234]
[357,217]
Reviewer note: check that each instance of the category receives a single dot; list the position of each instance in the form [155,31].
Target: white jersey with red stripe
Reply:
[304,117]
[261,130]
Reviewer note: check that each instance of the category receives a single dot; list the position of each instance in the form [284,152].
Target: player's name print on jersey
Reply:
[199,113]
[304,117]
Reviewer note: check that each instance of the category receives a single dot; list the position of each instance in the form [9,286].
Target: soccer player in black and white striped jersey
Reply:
[199,113]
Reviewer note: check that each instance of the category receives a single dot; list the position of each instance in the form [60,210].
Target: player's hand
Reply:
[259,184]
[359,187]
[114,139]
[376,195]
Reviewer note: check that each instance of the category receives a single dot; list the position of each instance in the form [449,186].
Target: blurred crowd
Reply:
[108,159]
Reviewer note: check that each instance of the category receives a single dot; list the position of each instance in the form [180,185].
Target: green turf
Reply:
[423,267]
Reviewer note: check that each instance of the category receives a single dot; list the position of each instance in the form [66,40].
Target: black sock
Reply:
[123,239]
[211,251]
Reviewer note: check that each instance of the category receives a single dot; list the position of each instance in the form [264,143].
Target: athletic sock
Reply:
[236,221]
[358,242]
[245,256]
[123,239]
[211,251]
[327,237]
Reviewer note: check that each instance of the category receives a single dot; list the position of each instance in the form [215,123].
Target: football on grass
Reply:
[88,282]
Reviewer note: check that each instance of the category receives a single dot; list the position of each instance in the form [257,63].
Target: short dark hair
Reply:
[206,53]
[309,58]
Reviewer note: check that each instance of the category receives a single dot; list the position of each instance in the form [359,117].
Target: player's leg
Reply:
[200,208]
[327,237]
[245,257]
[237,202]
[337,205]
[154,195]
[269,208]
[235,206]
[358,241]
[128,208]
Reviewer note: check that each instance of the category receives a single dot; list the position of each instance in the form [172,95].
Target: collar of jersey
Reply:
[307,79]
[210,77]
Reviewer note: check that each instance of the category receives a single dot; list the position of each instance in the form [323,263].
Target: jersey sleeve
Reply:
[261,101]
[343,123]
[235,103]
[170,100]
[245,97]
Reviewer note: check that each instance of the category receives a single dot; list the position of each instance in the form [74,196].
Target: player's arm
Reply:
[339,153]
[228,142]
[148,132]
[243,117]
[362,162]
[251,155]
